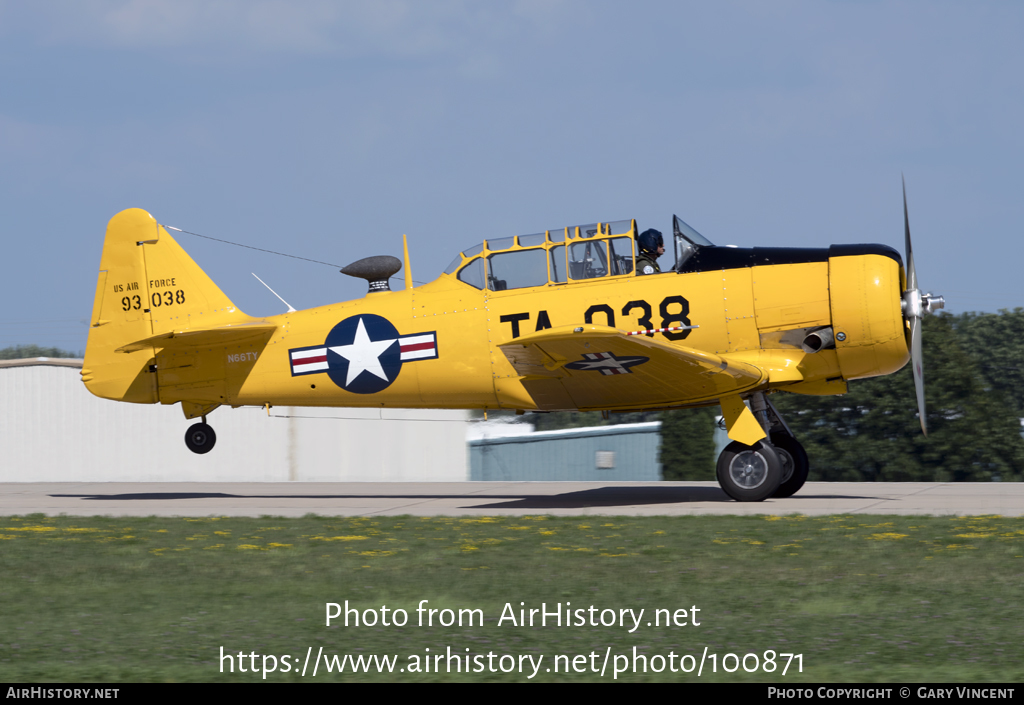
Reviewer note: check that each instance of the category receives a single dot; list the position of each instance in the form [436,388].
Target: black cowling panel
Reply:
[710,258]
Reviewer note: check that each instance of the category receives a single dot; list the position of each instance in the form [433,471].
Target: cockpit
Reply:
[564,255]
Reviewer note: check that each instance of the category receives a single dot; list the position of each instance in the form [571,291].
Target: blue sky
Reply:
[329,129]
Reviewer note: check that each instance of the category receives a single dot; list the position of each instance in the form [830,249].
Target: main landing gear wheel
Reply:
[795,465]
[749,473]
[200,438]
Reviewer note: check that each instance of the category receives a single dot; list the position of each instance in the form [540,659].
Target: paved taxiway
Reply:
[497,498]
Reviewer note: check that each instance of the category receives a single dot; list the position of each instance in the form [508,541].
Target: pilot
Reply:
[651,246]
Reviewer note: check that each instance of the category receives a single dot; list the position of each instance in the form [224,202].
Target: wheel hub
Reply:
[787,463]
[748,469]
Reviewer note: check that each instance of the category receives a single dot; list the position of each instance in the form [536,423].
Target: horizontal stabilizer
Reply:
[202,337]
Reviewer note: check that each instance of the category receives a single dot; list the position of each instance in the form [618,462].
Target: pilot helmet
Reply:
[649,241]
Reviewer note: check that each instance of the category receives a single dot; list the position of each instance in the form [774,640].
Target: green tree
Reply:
[18,352]
[688,444]
[996,342]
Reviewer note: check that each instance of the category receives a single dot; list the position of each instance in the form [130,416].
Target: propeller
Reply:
[915,305]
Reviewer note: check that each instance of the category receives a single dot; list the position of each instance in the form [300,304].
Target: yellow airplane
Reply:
[557,320]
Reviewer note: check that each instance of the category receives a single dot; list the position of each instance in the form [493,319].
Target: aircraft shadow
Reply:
[223,495]
[612,497]
[598,497]
[634,496]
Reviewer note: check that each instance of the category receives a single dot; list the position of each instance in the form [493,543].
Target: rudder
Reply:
[147,285]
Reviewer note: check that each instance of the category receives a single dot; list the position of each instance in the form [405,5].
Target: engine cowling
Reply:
[865,289]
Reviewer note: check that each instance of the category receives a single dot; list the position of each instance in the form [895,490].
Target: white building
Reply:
[53,430]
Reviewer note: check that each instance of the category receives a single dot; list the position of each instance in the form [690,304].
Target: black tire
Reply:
[200,438]
[749,473]
[795,465]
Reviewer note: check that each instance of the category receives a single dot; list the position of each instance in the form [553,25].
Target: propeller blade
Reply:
[916,361]
[911,272]
[914,307]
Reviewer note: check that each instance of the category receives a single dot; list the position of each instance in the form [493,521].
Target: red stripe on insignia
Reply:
[415,347]
[310,360]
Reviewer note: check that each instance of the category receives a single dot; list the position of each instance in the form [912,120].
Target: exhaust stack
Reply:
[820,339]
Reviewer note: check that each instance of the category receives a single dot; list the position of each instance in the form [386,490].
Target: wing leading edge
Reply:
[597,367]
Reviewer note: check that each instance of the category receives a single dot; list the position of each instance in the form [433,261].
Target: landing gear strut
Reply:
[200,437]
[776,466]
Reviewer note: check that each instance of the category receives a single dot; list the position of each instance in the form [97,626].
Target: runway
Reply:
[198,499]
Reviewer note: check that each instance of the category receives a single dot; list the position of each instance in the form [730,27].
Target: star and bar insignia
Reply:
[363,354]
[607,363]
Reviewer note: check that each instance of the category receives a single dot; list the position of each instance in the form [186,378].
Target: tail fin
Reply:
[147,286]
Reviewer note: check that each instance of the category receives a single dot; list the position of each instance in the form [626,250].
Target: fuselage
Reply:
[752,305]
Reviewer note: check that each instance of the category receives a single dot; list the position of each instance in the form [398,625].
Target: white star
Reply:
[363,355]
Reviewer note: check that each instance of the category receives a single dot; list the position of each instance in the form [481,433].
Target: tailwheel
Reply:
[795,465]
[749,473]
[200,438]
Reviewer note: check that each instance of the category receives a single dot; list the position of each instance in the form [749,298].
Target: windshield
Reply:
[681,229]
[687,241]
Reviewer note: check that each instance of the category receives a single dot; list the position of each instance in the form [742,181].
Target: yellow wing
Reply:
[597,367]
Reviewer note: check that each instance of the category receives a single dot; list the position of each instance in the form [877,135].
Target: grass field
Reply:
[862,598]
